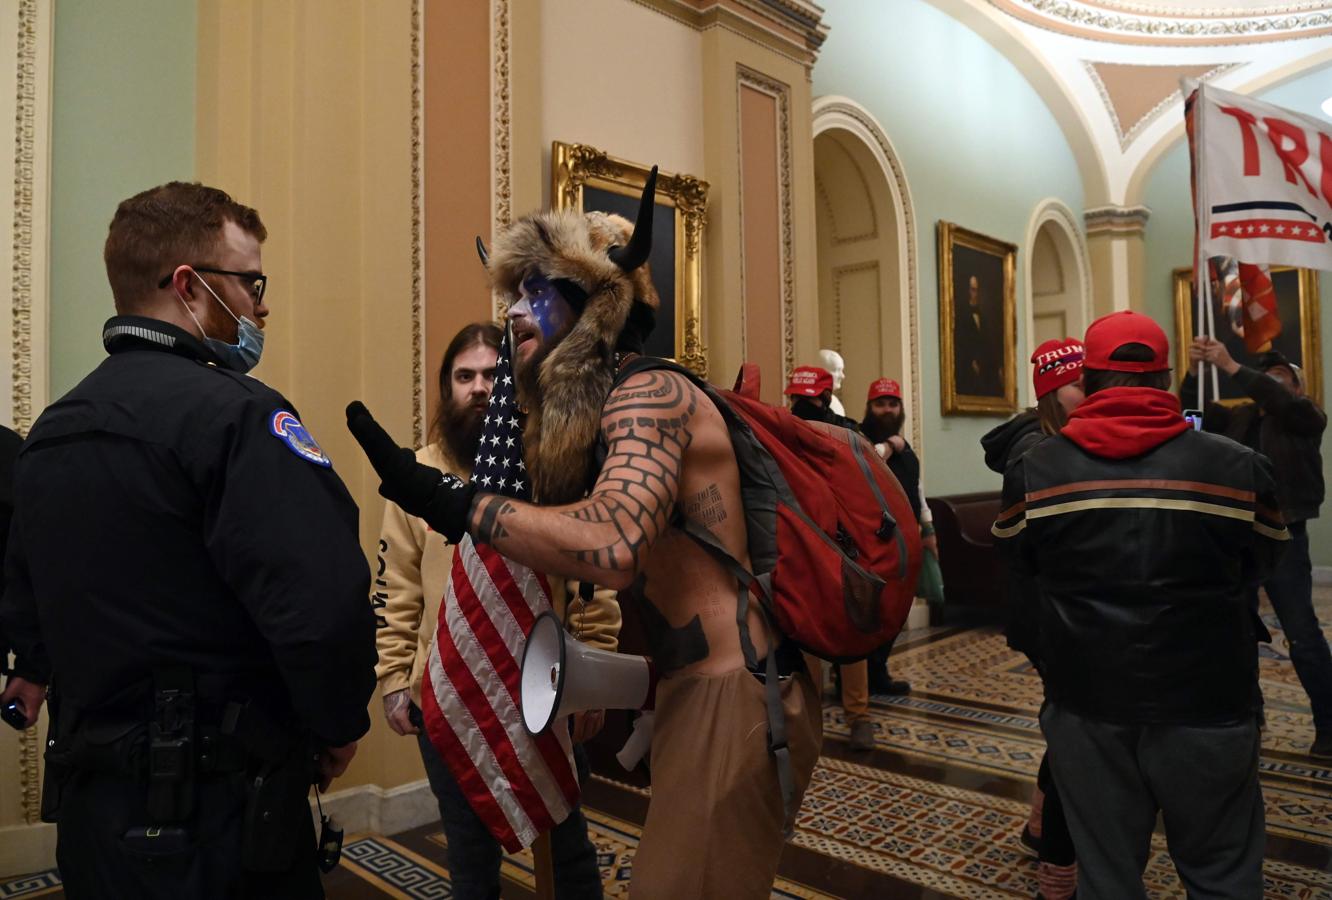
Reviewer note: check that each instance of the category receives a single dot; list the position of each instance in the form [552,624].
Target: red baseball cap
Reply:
[884,387]
[1108,333]
[1055,364]
[809,381]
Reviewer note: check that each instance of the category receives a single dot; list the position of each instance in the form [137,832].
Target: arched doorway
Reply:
[1058,297]
[866,255]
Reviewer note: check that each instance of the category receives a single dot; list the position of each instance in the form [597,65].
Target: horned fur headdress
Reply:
[598,262]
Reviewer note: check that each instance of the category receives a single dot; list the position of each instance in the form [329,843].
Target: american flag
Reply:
[519,785]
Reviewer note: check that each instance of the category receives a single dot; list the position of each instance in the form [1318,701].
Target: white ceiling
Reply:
[1109,69]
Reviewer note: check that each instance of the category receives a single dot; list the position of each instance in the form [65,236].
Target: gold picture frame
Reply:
[1295,289]
[584,177]
[978,359]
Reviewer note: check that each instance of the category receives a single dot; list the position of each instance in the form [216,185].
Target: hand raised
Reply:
[442,500]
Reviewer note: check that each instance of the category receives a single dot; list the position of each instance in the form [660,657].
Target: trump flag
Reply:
[1264,181]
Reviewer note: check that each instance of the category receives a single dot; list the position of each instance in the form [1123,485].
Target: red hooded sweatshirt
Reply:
[1122,422]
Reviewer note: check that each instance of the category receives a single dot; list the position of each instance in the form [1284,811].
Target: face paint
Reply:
[542,303]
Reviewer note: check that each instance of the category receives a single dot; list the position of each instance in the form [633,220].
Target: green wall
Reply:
[979,148]
[1169,241]
[122,121]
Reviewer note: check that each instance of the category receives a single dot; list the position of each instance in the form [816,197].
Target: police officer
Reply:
[184,568]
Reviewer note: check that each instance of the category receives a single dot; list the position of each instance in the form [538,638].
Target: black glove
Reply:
[442,500]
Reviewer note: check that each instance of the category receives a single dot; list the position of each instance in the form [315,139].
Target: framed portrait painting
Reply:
[1299,340]
[977,322]
[584,178]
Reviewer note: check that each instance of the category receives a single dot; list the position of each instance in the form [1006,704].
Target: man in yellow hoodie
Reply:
[414,565]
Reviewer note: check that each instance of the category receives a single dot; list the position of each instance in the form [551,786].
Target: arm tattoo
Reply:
[489,529]
[646,422]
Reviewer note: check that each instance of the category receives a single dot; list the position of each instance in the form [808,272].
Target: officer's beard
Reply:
[880,428]
[460,427]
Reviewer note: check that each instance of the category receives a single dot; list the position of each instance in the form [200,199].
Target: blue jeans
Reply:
[474,854]
[1290,588]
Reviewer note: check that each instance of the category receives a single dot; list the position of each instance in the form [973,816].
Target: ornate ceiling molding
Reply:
[1129,124]
[1158,23]
[1225,9]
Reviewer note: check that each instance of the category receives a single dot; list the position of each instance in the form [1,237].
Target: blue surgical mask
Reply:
[241,356]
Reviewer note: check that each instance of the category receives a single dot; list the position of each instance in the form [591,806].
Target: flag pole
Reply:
[1202,282]
[543,868]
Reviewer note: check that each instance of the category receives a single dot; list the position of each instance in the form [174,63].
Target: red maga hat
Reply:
[1108,333]
[1055,364]
[809,381]
[884,387]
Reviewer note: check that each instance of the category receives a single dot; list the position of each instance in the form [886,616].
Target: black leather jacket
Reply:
[1286,429]
[1144,563]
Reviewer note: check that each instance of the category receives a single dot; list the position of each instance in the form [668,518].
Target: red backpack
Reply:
[834,548]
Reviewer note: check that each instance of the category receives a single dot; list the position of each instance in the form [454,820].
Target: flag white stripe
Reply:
[460,720]
[505,706]
[498,612]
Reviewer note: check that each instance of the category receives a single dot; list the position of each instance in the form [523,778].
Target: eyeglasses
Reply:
[258,280]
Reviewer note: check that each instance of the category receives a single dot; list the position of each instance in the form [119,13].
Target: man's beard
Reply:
[527,374]
[460,426]
[880,428]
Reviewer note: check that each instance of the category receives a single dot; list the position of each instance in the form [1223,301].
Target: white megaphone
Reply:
[562,676]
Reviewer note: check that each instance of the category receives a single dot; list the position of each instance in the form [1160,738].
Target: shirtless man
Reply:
[715,825]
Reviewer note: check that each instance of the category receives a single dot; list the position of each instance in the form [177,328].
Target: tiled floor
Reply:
[932,811]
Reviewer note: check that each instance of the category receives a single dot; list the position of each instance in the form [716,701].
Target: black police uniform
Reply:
[186,563]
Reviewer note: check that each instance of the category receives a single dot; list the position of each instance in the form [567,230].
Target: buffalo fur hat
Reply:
[601,257]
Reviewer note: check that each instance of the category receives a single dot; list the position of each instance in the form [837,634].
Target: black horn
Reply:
[481,252]
[635,253]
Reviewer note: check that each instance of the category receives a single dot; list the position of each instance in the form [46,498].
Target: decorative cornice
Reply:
[792,28]
[418,268]
[746,77]
[1079,18]
[1116,220]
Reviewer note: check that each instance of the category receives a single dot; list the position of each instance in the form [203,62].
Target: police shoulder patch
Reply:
[289,430]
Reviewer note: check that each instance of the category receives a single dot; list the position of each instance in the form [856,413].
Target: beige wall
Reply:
[300,116]
[619,77]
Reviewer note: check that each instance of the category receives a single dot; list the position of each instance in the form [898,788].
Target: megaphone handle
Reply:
[640,741]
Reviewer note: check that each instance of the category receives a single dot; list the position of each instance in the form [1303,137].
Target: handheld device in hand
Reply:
[1194,417]
[13,714]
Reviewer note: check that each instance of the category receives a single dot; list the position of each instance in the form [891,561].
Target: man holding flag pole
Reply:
[1263,194]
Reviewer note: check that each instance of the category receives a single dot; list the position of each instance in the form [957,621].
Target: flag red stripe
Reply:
[508,589]
[547,743]
[464,769]
[506,667]
[474,698]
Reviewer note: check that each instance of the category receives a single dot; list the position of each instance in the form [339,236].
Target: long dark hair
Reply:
[1051,413]
[478,333]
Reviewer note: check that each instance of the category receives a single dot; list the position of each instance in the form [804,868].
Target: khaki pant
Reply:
[714,827]
[855,691]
